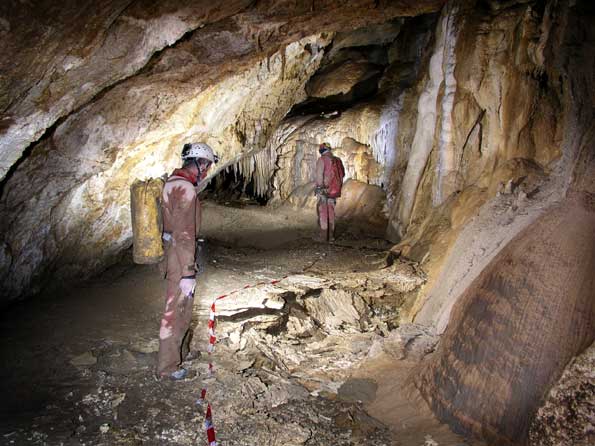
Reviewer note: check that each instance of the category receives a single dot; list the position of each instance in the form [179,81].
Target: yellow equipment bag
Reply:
[147,223]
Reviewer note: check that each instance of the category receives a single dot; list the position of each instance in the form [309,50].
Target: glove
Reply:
[187,285]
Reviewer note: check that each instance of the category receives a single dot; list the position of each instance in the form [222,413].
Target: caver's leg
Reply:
[174,325]
[331,219]
[323,216]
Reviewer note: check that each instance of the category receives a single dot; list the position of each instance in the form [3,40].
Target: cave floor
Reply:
[295,364]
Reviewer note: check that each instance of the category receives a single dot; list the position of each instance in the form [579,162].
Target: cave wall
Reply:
[57,57]
[134,131]
[485,102]
[496,153]
[518,305]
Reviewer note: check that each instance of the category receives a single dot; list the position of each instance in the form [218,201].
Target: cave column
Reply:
[427,112]
[445,182]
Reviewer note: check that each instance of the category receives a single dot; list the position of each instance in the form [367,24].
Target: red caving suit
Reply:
[181,220]
[325,205]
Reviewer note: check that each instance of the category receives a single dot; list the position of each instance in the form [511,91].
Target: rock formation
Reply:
[567,417]
[65,55]
[492,281]
[517,325]
[229,81]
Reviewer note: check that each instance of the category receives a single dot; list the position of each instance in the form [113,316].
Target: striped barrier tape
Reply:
[208,423]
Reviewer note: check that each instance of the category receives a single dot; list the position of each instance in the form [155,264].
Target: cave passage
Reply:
[79,363]
[231,187]
[455,304]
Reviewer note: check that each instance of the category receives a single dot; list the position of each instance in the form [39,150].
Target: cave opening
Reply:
[453,302]
[232,188]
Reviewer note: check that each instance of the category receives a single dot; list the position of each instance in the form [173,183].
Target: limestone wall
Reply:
[517,325]
[512,290]
[497,150]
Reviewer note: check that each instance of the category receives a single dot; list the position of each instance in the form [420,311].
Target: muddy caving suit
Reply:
[326,204]
[181,222]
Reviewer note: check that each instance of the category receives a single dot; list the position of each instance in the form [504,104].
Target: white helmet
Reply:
[197,150]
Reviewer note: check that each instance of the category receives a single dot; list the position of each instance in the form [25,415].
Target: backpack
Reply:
[147,220]
[335,181]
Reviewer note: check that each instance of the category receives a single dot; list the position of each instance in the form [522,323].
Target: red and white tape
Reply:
[209,427]
[208,424]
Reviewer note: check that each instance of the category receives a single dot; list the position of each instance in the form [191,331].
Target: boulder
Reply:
[514,329]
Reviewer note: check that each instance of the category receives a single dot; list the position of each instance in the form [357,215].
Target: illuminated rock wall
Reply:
[497,149]
[135,131]
[466,125]
[514,297]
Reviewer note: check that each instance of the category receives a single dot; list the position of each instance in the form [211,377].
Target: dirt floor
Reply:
[316,359]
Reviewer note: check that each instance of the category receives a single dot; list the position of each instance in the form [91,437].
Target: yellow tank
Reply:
[147,223]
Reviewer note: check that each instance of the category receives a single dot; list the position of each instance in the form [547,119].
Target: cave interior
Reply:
[456,305]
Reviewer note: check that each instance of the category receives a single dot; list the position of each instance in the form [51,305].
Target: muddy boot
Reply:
[178,375]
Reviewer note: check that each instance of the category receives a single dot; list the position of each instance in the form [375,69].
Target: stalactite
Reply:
[258,167]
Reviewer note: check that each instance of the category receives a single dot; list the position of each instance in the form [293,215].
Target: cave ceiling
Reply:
[58,57]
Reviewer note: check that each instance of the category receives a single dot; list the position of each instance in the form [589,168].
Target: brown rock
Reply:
[513,330]
[362,205]
[358,160]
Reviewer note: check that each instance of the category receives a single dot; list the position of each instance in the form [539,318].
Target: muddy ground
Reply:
[316,359]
